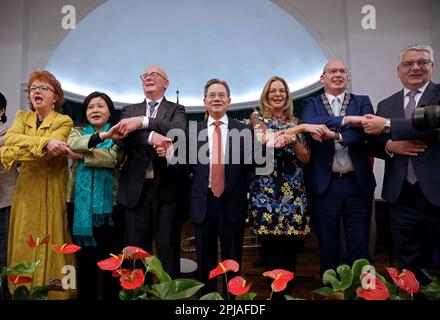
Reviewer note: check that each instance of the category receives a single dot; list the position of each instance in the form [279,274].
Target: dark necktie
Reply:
[409,109]
[152,105]
[217,174]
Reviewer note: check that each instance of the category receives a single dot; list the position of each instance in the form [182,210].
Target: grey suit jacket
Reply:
[426,164]
[140,154]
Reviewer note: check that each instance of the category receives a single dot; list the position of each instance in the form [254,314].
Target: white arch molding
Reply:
[243,42]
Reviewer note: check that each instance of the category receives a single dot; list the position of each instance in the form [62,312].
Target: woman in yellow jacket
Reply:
[37,142]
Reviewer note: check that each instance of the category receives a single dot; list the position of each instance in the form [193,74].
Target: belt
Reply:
[343,174]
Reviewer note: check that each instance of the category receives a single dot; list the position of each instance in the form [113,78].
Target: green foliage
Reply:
[247,296]
[176,289]
[431,291]
[212,296]
[343,282]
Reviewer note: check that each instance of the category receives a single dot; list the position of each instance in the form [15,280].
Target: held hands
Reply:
[283,140]
[73,155]
[162,144]
[373,124]
[57,148]
[113,133]
[125,126]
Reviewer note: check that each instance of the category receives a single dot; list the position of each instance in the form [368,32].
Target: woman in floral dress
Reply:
[278,204]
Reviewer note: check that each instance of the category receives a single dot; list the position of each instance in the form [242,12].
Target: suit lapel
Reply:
[429,94]
[398,105]
[163,109]
[139,109]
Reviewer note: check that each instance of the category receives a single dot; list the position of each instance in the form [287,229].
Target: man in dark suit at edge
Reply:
[412,162]
[149,189]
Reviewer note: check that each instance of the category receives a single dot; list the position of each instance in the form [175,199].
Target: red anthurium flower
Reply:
[133,280]
[372,288]
[31,242]
[66,248]
[135,253]
[112,263]
[121,272]
[406,280]
[19,279]
[281,278]
[223,267]
[237,286]
[34,244]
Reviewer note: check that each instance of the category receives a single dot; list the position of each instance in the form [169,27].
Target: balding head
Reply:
[335,77]
[154,82]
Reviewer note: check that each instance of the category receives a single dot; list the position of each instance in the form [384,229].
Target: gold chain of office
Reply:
[329,108]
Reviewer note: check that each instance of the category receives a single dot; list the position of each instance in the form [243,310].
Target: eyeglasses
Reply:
[152,76]
[221,95]
[41,88]
[334,71]
[280,91]
[421,63]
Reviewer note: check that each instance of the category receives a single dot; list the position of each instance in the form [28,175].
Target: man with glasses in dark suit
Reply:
[412,161]
[149,189]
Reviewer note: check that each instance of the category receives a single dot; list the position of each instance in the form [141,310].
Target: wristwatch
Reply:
[387,126]
[337,137]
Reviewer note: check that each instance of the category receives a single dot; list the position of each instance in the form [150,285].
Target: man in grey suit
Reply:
[412,160]
[149,190]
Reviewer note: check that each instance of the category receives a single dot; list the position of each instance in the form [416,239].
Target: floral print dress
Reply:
[278,204]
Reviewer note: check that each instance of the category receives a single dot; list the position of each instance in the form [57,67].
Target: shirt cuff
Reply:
[343,122]
[145,122]
[150,138]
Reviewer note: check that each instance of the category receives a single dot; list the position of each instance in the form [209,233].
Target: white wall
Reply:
[11,53]
[31,30]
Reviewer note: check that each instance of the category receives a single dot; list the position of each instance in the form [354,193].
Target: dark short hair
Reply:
[107,100]
[214,81]
[46,76]
[3,104]
[3,101]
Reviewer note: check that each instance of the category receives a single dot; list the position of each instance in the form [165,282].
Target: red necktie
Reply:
[217,174]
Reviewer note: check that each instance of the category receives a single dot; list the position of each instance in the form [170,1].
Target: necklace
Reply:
[329,108]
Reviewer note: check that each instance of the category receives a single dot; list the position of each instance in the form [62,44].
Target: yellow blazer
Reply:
[39,201]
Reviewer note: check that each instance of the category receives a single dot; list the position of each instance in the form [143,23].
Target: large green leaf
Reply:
[41,292]
[22,268]
[154,266]
[358,267]
[289,297]
[431,274]
[324,291]
[340,283]
[140,293]
[212,296]
[432,290]
[247,296]
[176,289]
